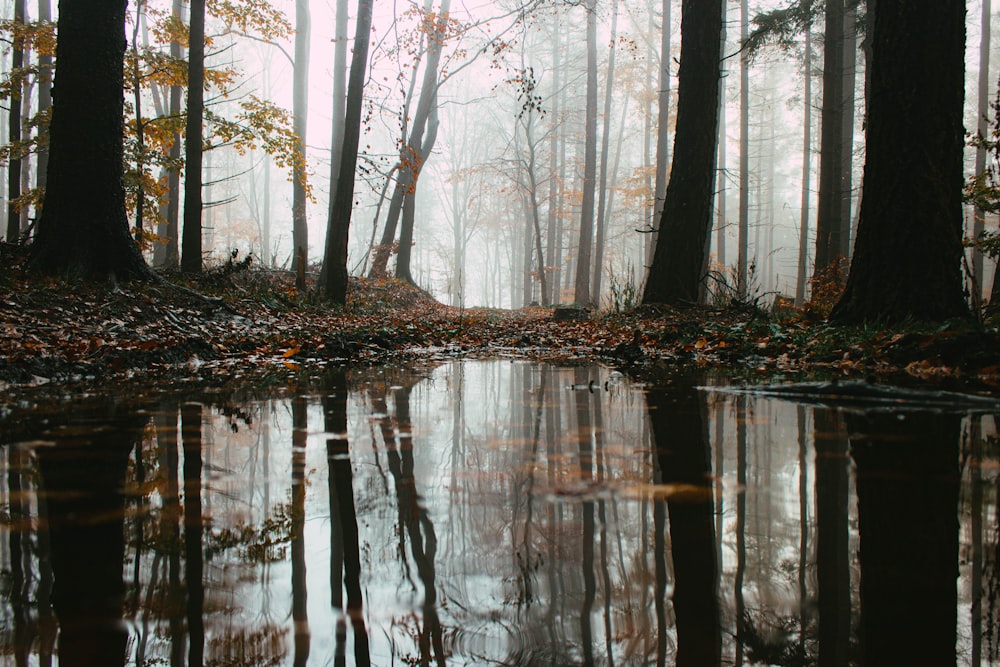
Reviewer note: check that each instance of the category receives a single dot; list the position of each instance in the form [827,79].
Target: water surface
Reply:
[496,513]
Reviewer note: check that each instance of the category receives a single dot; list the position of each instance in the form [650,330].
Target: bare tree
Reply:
[338,225]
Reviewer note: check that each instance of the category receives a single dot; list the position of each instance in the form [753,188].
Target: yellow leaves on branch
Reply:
[36,36]
[262,125]
[256,17]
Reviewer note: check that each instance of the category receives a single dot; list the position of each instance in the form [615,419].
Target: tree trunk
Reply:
[339,90]
[850,54]
[413,153]
[83,230]
[982,126]
[425,120]
[602,188]
[553,239]
[800,282]
[335,257]
[720,224]
[44,100]
[907,262]
[170,256]
[679,258]
[662,127]
[300,105]
[581,291]
[829,210]
[192,243]
[743,240]
[14,133]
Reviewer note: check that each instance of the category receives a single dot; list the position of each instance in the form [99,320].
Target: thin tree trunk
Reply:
[581,292]
[300,106]
[335,256]
[44,101]
[982,126]
[662,128]
[720,224]
[602,188]
[800,282]
[14,132]
[192,242]
[552,217]
[743,253]
[829,211]
[171,255]
[140,127]
[847,152]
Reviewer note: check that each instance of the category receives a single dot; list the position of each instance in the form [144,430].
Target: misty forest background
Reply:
[473,178]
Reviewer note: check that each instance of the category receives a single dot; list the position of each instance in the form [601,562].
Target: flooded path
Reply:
[497,513]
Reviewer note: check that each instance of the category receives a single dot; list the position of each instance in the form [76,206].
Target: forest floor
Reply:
[80,336]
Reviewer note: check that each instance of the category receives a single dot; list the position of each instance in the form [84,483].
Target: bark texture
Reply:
[83,230]
[679,258]
[908,255]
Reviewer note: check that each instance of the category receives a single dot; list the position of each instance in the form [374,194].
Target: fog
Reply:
[511,105]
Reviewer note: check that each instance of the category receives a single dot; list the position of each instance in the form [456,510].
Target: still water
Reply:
[496,513]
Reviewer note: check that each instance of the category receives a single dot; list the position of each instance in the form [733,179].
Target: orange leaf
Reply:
[290,352]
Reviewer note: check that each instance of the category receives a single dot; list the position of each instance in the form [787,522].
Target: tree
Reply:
[300,97]
[743,240]
[335,257]
[800,282]
[907,259]
[603,212]
[416,149]
[44,94]
[83,230]
[830,241]
[680,255]
[979,215]
[581,292]
[191,242]
[662,124]
[169,256]
[14,130]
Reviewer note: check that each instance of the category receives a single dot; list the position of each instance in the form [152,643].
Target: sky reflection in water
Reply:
[486,513]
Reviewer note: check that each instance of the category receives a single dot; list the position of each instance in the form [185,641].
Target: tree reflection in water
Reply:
[496,513]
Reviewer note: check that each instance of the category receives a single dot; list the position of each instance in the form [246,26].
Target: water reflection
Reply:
[497,513]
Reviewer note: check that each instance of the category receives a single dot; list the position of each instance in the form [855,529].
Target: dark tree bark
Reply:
[191,243]
[680,435]
[300,97]
[907,260]
[335,257]
[85,517]
[829,209]
[679,257]
[581,291]
[83,230]
[908,486]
